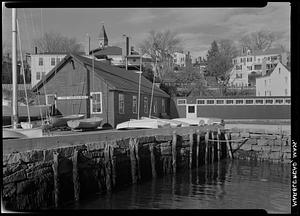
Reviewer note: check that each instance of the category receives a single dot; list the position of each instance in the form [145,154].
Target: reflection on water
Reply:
[226,185]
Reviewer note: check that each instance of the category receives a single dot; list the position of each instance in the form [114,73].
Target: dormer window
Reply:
[279,70]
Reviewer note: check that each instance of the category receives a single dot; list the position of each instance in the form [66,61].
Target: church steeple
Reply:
[103,40]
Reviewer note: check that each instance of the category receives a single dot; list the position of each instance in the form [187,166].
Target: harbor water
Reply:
[236,184]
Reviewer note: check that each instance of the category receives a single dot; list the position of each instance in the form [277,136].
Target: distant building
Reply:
[253,63]
[274,83]
[7,71]
[42,63]
[113,91]
[111,54]
[179,59]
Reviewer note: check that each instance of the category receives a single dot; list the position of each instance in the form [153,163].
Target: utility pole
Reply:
[14,69]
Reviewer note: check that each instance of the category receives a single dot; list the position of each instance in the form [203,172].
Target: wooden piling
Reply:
[174,151]
[136,148]
[197,148]
[76,183]
[206,147]
[212,148]
[56,179]
[191,149]
[107,166]
[113,165]
[218,144]
[151,147]
[228,146]
[132,160]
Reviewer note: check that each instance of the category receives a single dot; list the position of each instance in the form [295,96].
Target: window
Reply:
[181,101]
[41,62]
[239,102]
[191,109]
[57,60]
[199,101]
[38,75]
[249,67]
[238,76]
[279,101]
[229,101]
[279,70]
[249,101]
[145,105]
[269,101]
[121,104]
[50,99]
[155,106]
[134,104]
[220,101]
[265,82]
[210,102]
[52,61]
[258,60]
[163,105]
[287,101]
[257,67]
[43,75]
[259,101]
[96,102]
[285,92]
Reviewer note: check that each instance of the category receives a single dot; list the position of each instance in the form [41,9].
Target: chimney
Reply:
[263,67]
[127,46]
[88,48]
[35,48]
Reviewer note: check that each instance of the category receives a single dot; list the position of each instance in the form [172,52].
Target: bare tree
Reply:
[161,46]
[260,40]
[55,42]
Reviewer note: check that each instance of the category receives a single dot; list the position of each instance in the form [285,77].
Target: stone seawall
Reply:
[261,144]
[71,167]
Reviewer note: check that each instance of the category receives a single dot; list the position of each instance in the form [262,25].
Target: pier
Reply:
[52,171]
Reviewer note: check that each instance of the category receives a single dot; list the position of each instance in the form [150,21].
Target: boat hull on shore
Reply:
[88,123]
[142,124]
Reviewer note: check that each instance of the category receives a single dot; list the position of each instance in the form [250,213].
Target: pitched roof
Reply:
[118,78]
[270,71]
[260,52]
[108,50]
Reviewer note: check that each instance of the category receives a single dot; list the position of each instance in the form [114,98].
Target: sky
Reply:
[196,27]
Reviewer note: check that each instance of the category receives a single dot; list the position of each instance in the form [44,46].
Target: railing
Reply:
[240,101]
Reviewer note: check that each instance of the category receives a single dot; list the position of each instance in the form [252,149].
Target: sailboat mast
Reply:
[14,69]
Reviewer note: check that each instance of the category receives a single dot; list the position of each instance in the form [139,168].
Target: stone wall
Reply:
[50,178]
[261,145]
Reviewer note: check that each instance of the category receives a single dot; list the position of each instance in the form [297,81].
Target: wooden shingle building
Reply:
[81,85]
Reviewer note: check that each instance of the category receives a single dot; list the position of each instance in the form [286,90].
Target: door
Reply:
[191,111]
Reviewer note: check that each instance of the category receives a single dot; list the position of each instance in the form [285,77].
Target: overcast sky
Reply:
[197,27]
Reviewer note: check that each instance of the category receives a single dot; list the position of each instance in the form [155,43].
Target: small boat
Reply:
[88,123]
[173,123]
[12,134]
[142,124]
[27,133]
[200,121]
[61,121]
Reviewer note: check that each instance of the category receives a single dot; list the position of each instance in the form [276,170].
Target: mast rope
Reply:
[22,69]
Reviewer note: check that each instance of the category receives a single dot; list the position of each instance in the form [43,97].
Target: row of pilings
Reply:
[106,166]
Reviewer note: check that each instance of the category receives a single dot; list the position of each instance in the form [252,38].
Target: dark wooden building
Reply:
[112,93]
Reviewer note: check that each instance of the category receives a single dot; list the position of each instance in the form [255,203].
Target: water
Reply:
[226,185]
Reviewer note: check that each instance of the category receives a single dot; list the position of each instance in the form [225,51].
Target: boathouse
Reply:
[81,85]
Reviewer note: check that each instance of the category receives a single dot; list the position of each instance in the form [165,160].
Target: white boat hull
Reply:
[9,133]
[142,124]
